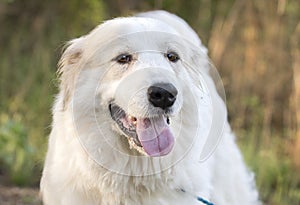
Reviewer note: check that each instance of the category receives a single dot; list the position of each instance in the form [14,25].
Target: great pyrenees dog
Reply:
[140,119]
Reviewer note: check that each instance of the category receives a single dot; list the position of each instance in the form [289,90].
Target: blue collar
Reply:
[204,201]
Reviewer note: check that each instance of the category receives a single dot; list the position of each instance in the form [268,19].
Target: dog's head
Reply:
[138,79]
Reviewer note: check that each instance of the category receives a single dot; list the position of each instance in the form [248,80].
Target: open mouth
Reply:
[149,136]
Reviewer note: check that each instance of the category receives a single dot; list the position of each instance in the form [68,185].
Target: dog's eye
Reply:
[124,58]
[173,57]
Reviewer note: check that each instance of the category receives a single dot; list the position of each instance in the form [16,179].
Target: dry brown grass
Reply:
[19,196]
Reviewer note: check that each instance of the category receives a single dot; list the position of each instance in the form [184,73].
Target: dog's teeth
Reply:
[132,119]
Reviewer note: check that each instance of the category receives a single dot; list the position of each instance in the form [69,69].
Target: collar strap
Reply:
[202,200]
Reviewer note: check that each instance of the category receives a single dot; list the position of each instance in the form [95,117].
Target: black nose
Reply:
[162,95]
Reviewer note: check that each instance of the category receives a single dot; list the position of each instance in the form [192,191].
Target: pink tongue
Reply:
[155,136]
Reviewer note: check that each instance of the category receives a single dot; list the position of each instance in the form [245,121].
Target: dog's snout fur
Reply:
[162,95]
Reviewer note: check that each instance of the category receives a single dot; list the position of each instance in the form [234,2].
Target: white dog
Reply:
[138,119]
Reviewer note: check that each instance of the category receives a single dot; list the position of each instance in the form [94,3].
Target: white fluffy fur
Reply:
[90,79]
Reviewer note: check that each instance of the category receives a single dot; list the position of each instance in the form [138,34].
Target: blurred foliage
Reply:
[277,181]
[34,33]
[16,153]
[251,42]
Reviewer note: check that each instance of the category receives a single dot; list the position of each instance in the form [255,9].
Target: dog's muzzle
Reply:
[152,135]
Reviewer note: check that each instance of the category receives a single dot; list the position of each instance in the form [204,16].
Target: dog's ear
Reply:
[69,67]
[206,78]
